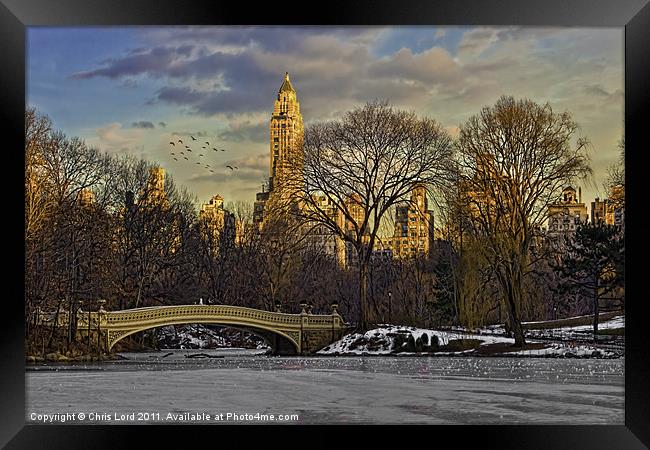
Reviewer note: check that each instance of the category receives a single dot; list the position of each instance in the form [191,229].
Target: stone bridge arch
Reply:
[278,341]
[288,334]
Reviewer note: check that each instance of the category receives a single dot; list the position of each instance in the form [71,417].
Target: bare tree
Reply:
[515,157]
[615,182]
[363,164]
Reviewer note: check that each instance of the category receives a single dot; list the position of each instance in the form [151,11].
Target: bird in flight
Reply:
[193,138]
[189,149]
[198,163]
[187,146]
[182,153]
[203,146]
[171,153]
[207,142]
[185,157]
[172,144]
[211,170]
[230,167]
[180,141]
[201,154]
[223,149]
[175,159]
[236,167]
[214,149]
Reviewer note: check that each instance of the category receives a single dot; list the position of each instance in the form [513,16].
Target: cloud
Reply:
[432,66]
[258,162]
[598,90]
[233,177]
[153,61]
[476,41]
[190,133]
[252,170]
[113,138]
[246,131]
[143,124]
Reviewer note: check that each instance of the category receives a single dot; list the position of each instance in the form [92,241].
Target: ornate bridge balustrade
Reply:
[287,334]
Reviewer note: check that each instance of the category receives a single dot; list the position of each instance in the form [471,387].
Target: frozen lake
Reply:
[389,390]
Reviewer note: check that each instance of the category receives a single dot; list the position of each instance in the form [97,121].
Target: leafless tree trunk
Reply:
[352,171]
[515,158]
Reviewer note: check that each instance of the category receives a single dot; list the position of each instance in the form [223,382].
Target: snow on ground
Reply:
[577,331]
[391,339]
[384,340]
[613,323]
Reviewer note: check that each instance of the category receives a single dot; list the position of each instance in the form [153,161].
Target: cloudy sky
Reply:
[133,89]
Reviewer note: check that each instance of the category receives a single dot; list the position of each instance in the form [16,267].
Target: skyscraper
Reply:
[286,137]
[287,133]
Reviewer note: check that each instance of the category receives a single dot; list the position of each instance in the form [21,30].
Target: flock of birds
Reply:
[186,152]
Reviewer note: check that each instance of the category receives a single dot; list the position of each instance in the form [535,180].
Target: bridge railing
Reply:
[127,317]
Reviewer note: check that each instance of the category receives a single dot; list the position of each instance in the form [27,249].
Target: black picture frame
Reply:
[16,15]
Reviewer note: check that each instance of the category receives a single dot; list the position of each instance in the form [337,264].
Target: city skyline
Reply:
[148,84]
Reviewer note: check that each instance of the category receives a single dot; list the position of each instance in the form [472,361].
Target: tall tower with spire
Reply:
[287,133]
[286,137]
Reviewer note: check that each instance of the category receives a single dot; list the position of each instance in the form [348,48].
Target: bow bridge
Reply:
[287,334]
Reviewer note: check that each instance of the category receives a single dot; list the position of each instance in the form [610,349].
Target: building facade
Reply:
[218,224]
[85,198]
[602,211]
[564,217]
[414,232]
[321,238]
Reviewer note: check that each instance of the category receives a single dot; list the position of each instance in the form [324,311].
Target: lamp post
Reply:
[88,330]
[390,295]
[335,307]
[100,311]
[303,319]
[77,314]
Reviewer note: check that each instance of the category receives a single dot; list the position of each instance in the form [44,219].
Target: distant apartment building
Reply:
[610,211]
[154,193]
[320,238]
[85,198]
[602,211]
[565,215]
[414,232]
[217,223]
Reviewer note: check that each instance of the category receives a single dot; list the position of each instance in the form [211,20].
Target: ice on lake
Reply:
[386,390]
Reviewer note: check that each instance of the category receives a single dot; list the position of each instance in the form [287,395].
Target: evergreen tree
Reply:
[594,263]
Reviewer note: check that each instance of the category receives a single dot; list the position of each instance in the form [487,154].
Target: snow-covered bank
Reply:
[391,340]
[563,333]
